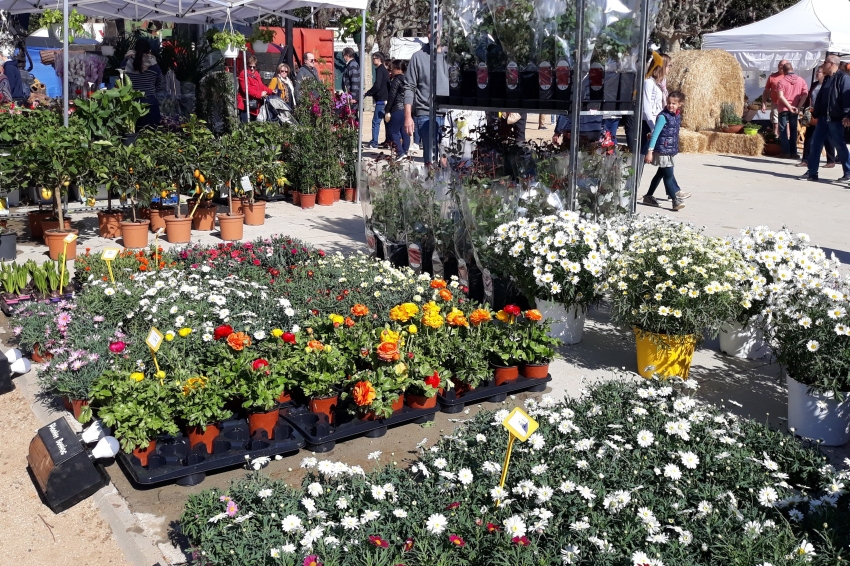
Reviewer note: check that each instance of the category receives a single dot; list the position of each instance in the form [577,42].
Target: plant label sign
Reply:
[154,339]
[246,184]
[70,238]
[520,425]
[110,255]
[159,232]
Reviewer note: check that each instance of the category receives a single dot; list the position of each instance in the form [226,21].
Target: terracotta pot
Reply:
[350,193]
[325,406]
[461,388]
[733,129]
[204,219]
[231,227]
[370,416]
[202,435]
[143,453]
[77,407]
[144,214]
[336,195]
[178,230]
[326,196]
[135,234]
[284,397]
[398,404]
[772,149]
[53,225]
[158,216]
[56,244]
[34,219]
[535,371]
[308,201]
[66,403]
[263,421]
[420,401]
[40,356]
[296,198]
[109,224]
[255,214]
[505,374]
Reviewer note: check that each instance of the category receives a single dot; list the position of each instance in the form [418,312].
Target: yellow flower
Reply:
[169,336]
[457,318]
[432,320]
[160,375]
[184,332]
[328,348]
[503,316]
[277,332]
[388,335]
[431,308]
[137,376]
[336,318]
[400,368]
[412,329]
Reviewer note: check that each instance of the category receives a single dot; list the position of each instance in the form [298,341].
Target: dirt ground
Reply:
[33,534]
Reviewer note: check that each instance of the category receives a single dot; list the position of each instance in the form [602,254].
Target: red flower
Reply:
[521,541]
[288,337]
[260,363]
[451,506]
[408,544]
[456,540]
[493,528]
[256,262]
[378,541]
[222,331]
[117,347]
[513,310]
[433,380]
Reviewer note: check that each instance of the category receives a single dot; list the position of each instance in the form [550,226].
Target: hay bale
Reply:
[692,142]
[736,144]
[708,79]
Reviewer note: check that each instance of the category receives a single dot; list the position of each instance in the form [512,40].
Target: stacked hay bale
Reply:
[708,79]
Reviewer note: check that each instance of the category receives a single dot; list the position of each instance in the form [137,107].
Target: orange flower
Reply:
[388,351]
[349,322]
[363,393]
[438,284]
[445,294]
[480,315]
[403,312]
[457,318]
[315,345]
[533,314]
[503,316]
[359,310]
[238,340]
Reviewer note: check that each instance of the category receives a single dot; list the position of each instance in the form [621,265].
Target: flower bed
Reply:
[627,475]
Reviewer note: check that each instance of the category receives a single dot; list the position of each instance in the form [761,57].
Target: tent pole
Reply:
[360,102]
[578,94]
[290,50]
[65,87]
[432,107]
[637,121]
[247,96]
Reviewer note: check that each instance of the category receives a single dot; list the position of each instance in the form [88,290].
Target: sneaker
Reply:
[650,200]
[844,179]
[401,158]
[678,204]
[682,195]
[413,147]
[806,177]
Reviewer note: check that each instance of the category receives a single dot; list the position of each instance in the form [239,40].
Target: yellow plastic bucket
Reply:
[663,355]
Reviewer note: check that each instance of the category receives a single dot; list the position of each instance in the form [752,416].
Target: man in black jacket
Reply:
[351,76]
[379,92]
[832,109]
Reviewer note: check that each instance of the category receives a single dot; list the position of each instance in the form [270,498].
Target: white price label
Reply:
[154,339]
[110,254]
[520,424]
[246,184]
[70,238]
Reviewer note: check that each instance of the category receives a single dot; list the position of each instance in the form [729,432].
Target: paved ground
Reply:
[728,194]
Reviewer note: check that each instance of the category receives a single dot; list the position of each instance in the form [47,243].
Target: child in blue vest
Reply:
[663,146]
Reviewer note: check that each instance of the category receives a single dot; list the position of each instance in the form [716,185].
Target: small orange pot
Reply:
[77,407]
[461,388]
[308,201]
[109,224]
[231,227]
[336,194]
[158,216]
[296,198]
[505,374]
[135,234]
[178,230]
[326,196]
[203,435]
[325,406]
[284,397]
[535,371]
[350,192]
[263,421]
[420,401]
[255,213]
[143,453]
[34,220]
[398,404]
[39,355]
[204,219]
[56,244]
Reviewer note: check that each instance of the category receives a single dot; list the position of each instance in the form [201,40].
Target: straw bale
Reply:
[736,144]
[692,142]
[708,79]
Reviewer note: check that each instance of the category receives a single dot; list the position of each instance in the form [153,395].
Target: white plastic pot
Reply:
[260,47]
[230,53]
[818,416]
[740,342]
[21,366]
[567,322]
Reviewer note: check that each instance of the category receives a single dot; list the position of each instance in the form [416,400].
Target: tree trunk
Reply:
[670,45]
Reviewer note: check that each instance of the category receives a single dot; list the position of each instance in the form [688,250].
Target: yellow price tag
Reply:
[110,254]
[70,238]
[520,425]
[154,339]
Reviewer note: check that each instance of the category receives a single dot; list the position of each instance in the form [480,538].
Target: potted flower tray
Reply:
[450,402]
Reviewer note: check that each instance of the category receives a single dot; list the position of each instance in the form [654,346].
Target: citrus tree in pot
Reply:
[230,153]
[131,172]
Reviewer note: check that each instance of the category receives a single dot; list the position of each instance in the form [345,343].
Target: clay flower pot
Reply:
[284,397]
[143,453]
[203,435]
[53,225]
[308,201]
[296,198]
[255,213]
[505,374]
[77,407]
[263,421]
[325,406]
[178,230]
[135,234]
[34,219]
[231,227]
[40,355]
[204,218]
[326,196]
[398,404]
[420,401]
[535,371]
[350,193]
[158,216]
[336,194]
[55,240]
[109,224]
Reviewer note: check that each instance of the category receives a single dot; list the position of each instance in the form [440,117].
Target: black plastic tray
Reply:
[322,437]
[451,403]
[274,198]
[174,460]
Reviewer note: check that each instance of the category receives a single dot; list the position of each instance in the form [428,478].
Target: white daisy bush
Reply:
[671,279]
[632,474]
[559,257]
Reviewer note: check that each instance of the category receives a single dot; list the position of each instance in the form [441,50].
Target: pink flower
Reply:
[64,319]
[312,560]
[232,508]
[117,347]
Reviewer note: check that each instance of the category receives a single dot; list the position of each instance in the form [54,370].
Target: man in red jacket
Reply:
[257,91]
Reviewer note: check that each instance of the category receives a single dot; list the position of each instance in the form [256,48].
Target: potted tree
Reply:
[129,180]
[260,39]
[230,152]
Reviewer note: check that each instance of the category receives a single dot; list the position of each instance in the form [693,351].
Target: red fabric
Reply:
[256,88]
[772,84]
[795,90]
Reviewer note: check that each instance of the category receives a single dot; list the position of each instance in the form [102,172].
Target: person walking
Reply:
[144,73]
[282,85]
[417,97]
[653,104]
[665,137]
[770,92]
[257,91]
[811,123]
[791,92]
[351,76]
[307,72]
[395,111]
[13,75]
[379,92]
[832,110]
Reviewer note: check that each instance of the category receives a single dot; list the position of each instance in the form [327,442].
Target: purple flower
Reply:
[64,319]
[63,366]
[232,509]
[77,365]
[98,318]
[93,357]
[17,330]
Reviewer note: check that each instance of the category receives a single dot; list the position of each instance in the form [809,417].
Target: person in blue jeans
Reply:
[832,109]
[665,137]
[417,97]
[379,93]
[395,110]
